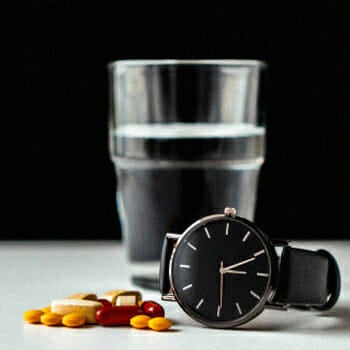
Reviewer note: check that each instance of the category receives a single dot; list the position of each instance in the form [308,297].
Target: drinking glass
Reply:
[187,140]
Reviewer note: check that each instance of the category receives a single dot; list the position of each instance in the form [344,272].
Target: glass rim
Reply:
[177,62]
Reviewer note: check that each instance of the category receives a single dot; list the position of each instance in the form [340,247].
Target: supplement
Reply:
[46,309]
[83,296]
[124,300]
[140,321]
[74,319]
[113,295]
[153,309]
[116,315]
[86,307]
[104,302]
[51,319]
[159,324]
[32,316]
[78,309]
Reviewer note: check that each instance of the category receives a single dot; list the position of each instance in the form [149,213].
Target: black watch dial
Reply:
[221,272]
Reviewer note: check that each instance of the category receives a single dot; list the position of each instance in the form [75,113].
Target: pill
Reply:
[139,321]
[116,315]
[83,296]
[104,302]
[159,323]
[113,295]
[74,319]
[123,300]
[153,309]
[86,307]
[32,316]
[51,319]
[46,309]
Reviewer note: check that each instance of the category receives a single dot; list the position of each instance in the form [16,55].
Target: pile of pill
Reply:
[113,308]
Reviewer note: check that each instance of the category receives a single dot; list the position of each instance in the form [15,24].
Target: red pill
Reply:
[104,302]
[153,309]
[117,315]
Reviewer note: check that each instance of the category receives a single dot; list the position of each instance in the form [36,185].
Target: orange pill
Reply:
[46,309]
[74,319]
[159,323]
[140,321]
[32,316]
[51,319]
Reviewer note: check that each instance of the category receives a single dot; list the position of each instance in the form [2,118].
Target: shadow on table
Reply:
[342,315]
[332,321]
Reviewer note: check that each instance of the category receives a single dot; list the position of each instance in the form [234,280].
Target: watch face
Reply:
[221,271]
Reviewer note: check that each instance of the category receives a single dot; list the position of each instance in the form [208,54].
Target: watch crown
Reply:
[230,212]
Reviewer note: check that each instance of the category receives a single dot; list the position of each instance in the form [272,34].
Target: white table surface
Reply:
[34,273]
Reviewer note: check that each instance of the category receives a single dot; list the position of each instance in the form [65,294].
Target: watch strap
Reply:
[308,279]
[168,246]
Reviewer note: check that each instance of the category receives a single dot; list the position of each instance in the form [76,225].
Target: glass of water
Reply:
[187,140]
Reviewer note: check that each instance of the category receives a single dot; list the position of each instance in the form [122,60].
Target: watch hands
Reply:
[235,272]
[231,267]
[221,284]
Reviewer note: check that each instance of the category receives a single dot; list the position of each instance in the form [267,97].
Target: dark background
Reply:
[56,179]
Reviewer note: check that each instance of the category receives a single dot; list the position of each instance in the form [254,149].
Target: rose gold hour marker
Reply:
[262,274]
[256,296]
[218,311]
[199,304]
[207,232]
[262,251]
[227,228]
[238,307]
[185,266]
[187,287]
[246,236]
[191,246]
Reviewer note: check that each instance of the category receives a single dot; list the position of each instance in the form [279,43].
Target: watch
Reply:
[223,271]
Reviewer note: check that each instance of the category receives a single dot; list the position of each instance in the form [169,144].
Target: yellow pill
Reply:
[32,316]
[46,309]
[51,319]
[139,321]
[159,324]
[74,319]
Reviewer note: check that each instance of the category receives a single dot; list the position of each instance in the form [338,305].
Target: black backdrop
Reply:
[56,179]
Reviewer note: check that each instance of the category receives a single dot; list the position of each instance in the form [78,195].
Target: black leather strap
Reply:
[164,281]
[308,279]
